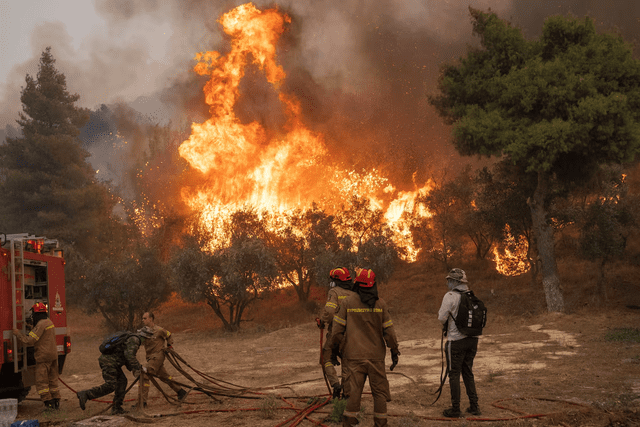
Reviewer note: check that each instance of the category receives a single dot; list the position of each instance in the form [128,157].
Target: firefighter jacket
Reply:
[155,344]
[364,330]
[43,338]
[334,298]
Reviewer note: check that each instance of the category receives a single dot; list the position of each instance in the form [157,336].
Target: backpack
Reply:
[113,342]
[472,314]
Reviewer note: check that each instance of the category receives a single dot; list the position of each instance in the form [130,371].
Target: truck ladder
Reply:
[17,298]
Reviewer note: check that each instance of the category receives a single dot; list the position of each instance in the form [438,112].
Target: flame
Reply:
[271,170]
[513,261]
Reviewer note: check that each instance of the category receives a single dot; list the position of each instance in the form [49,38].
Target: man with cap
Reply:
[460,349]
[114,378]
[362,326]
[43,339]
[340,286]
[154,351]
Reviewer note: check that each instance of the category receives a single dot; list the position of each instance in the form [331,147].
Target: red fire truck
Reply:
[31,271]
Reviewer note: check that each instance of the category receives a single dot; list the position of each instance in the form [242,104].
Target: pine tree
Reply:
[47,186]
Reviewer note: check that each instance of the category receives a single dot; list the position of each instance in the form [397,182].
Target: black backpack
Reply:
[111,343]
[472,314]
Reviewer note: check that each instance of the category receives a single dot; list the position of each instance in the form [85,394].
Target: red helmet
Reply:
[340,273]
[366,278]
[39,308]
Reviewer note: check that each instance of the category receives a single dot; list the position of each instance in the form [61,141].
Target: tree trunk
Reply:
[546,246]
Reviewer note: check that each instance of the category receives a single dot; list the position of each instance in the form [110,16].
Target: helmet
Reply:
[366,278]
[145,332]
[340,273]
[39,308]
[458,274]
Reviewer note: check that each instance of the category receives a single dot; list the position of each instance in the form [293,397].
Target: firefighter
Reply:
[340,287]
[154,351]
[114,378]
[43,339]
[362,326]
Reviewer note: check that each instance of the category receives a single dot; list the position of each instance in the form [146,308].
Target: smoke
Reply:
[362,70]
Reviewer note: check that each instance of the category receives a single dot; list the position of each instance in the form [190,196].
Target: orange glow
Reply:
[513,259]
[271,170]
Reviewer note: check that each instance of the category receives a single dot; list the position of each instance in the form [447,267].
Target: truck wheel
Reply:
[12,386]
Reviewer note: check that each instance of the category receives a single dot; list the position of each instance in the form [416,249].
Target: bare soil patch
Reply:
[529,363]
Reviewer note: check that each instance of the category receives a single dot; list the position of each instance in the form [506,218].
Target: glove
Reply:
[334,359]
[394,359]
[320,323]
[144,369]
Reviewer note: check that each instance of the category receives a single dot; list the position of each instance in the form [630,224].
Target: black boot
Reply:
[181,395]
[117,410]
[56,403]
[474,410]
[452,412]
[82,398]
[50,405]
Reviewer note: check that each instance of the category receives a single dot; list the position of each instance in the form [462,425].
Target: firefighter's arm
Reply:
[338,327]
[168,337]
[131,349]
[330,308]
[26,340]
[388,331]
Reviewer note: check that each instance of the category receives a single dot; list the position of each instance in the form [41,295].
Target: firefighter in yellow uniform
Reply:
[363,326]
[340,288]
[154,351]
[43,338]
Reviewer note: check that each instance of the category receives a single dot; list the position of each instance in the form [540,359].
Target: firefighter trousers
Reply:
[114,381]
[47,380]
[355,378]
[155,366]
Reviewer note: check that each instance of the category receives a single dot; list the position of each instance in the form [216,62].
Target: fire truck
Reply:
[31,271]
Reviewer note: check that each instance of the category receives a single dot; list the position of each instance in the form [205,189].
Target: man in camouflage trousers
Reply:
[340,288]
[43,338]
[154,350]
[114,378]
[362,326]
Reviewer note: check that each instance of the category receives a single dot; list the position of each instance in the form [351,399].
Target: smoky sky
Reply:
[362,70]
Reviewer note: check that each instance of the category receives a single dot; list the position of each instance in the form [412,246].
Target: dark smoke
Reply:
[362,70]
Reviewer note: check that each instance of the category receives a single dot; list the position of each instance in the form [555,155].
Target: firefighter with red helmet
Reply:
[340,287]
[43,338]
[362,326]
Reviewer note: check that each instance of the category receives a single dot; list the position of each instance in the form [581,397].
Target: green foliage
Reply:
[125,284]
[572,91]
[269,407]
[338,407]
[623,335]
[48,187]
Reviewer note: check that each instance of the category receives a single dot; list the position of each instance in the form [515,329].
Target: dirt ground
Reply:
[557,364]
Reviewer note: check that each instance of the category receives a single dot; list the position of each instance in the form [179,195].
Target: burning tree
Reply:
[227,278]
[566,102]
[306,249]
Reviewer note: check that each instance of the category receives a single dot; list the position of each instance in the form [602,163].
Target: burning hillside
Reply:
[273,170]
